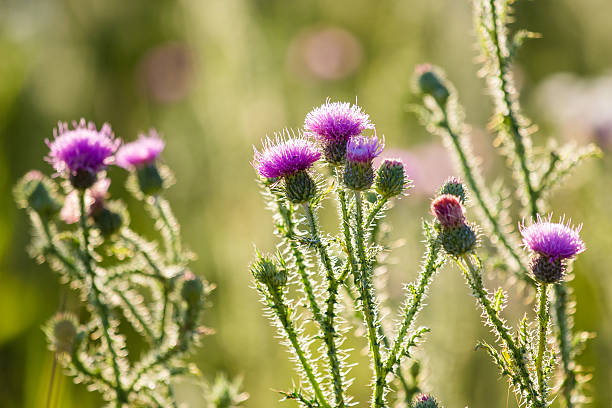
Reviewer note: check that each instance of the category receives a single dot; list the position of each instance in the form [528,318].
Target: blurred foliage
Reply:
[214,77]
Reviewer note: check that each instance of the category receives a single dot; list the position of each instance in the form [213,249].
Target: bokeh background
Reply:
[214,77]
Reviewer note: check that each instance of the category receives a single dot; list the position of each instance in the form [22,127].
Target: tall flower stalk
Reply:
[535,175]
[311,267]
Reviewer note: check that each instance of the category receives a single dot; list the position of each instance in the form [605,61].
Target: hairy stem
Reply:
[329,331]
[543,327]
[473,275]
[101,308]
[369,306]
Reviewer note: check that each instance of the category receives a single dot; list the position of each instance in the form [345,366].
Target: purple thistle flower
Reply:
[285,156]
[553,240]
[143,151]
[364,149]
[82,149]
[336,120]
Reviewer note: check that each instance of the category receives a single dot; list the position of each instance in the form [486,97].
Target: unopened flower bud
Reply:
[83,179]
[547,270]
[192,290]
[300,187]
[390,178]
[107,221]
[459,240]
[425,401]
[150,180]
[265,271]
[448,211]
[431,83]
[62,333]
[38,193]
[454,186]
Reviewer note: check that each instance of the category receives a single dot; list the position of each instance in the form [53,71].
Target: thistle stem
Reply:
[98,305]
[411,310]
[543,318]
[329,332]
[368,306]
[171,238]
[281,312]
[372,216]
[473,276]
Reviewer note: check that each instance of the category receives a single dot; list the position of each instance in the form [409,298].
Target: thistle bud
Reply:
[107,221]
[150,180]
[390,178]
[425,401]
[431,83]
[62,331]
[454,187]
[265,271]
[458,240]
[192,290]
[547,270]
[300,187]
[38,193]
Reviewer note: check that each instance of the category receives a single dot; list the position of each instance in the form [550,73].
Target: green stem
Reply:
[372,216]
[329,331]
[473,276]
[281,312]
[98,305]
[172,240]
[411,310]
[135,313]
[369,306]
[564,333]
[543,321]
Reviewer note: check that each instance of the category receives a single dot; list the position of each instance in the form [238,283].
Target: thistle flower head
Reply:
[38,192]
[430,81]
[62,331]
[336,120]
[143,151]
[448,210]
[553,240]
[283,156]
[364,149]
[81,152]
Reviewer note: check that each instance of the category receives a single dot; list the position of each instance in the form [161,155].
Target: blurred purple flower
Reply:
[81,149]
[553,240]
[145,150]
[364,149]
[284,156]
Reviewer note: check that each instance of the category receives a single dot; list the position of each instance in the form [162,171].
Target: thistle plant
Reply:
[536,172]
[128,287]
[316,282]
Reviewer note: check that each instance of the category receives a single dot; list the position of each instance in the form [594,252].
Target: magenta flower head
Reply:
[358,170]
[82,152]
[289,159]
[425,401]
[457,237]
[141,152]
[553,243]
[333,124]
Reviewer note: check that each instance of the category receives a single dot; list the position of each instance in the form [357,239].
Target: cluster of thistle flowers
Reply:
[120,276]
[526,357]
[343,273]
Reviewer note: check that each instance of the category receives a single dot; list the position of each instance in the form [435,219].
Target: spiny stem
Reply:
[564,339]
[543,322]
[329,332]
[473,276]
[368,306]
[173,244]
[99,306]
[281,312]
[411,310]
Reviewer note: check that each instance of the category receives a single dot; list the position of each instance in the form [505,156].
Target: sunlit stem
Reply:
[543,318]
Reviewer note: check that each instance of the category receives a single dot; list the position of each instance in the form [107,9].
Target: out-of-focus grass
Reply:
[216,76]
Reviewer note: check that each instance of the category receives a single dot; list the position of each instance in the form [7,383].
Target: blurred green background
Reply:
[214,77]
